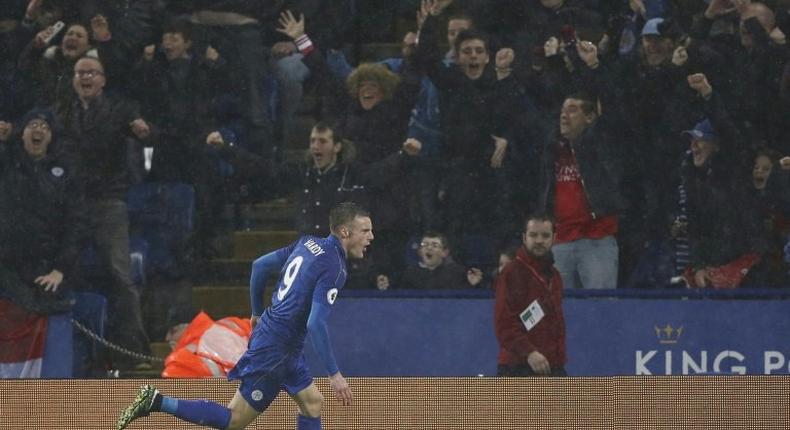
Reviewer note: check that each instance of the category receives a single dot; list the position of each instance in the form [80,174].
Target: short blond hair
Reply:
[373,72]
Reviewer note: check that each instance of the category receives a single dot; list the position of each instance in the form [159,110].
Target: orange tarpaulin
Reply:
[208,348]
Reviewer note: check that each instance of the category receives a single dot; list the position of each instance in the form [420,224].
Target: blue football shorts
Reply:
[266,372]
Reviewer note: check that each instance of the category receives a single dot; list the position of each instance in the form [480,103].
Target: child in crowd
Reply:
[436,269]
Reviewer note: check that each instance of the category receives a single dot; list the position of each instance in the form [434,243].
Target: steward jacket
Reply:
[522,281]
[42,210]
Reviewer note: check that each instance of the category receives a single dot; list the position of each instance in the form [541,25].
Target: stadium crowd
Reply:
[653,131]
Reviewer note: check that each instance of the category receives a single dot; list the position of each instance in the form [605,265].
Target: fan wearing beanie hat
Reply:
[42,208]
[37,132]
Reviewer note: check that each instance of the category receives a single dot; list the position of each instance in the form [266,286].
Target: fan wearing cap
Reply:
[725,240]
[658,41]
[43,227]
[703,142]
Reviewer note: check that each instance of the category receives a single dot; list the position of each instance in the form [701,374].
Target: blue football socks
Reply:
[200,412]
[308,423]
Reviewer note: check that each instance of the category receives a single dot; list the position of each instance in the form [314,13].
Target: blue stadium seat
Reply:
[162,215]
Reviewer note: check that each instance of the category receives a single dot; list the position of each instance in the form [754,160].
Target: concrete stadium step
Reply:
[273,215]
[222,301]
[252,244]
[161,350]
[158,349]
[225,271]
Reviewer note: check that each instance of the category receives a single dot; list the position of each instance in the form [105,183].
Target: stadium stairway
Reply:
[221,286]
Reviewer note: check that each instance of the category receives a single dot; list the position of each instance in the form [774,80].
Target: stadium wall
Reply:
[608,334]
[677,402]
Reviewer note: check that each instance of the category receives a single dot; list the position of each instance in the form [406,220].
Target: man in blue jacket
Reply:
[313,270]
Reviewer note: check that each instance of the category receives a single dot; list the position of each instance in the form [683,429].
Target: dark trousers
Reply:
[110,223]
[476,197]
[526,370]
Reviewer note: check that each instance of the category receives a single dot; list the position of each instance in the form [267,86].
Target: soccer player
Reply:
[313,271]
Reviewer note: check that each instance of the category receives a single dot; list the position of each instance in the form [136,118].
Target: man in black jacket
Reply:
[476,120]
[237,29]
[373,111]
[581,174]
[100,128]
[758,65]
[329,174]
[43,228]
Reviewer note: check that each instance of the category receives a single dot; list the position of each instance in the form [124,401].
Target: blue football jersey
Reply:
[312,275]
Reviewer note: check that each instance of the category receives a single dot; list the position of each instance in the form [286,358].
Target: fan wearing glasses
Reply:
[436,269]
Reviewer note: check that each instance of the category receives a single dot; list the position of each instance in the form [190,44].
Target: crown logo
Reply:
[668,335]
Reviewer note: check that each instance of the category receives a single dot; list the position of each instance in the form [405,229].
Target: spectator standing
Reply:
[43,213]
[758,64]
[336,18]
[581,174]
[475,119]
[372,109]
[328,175]
[15,32]
[177,88]
[528,317]
[52,66]
[725,238]
[100,128]
[236,28]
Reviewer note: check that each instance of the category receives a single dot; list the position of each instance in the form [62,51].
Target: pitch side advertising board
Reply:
[606,336]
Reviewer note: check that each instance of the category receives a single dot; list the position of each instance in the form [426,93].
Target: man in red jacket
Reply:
[528,317]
